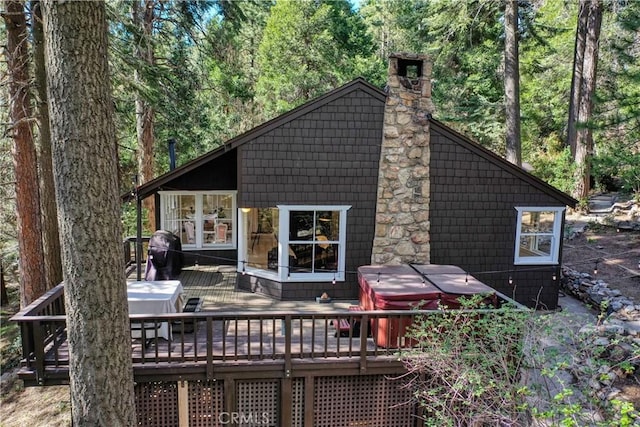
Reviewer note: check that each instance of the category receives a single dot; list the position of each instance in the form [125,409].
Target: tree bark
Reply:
[85,170]
[4,296]
[512,83]
[145,112]
[584,134]
[32,278]
[50,234]
[576,77]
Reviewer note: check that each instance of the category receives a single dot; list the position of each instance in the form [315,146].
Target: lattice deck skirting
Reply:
[361,400]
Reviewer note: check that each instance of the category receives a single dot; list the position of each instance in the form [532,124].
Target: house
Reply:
[363,176]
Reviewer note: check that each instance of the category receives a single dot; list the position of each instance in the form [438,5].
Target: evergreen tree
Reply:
[27,192]
[307,49]
[85,164]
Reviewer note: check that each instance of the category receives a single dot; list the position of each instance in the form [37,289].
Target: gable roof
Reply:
[152,186]
[502,163]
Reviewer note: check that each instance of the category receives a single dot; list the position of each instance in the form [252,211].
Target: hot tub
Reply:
[405,287]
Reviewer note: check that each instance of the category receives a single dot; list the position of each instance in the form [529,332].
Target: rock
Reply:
[613,392]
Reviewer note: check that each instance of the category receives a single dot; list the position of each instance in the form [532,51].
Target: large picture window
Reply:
[538,235]
[200,219]
[298,243]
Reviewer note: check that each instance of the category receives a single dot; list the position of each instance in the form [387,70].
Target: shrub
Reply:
[517,368]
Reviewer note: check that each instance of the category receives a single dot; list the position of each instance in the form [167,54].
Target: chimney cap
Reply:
[410,56]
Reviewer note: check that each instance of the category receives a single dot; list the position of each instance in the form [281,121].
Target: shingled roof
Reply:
[152,186]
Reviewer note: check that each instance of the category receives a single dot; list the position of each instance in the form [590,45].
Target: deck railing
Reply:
[202,342]
[130,253]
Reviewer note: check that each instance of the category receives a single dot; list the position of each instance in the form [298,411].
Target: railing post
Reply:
[364,332]
[138,238]
[287,346]
[38,351]
[126,249]
[209,348]
[286,391]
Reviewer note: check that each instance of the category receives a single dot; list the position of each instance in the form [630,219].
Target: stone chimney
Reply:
[402,211]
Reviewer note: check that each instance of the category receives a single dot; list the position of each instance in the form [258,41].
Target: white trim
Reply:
[282,275]
[555,234]
[198,218]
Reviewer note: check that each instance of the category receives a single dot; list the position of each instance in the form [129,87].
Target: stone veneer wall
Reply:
[402,211]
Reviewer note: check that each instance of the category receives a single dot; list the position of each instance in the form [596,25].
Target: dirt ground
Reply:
[34,406]
[616,252]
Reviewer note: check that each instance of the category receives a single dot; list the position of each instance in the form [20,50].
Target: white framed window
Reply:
[538,235]
[297,243]
[202,219]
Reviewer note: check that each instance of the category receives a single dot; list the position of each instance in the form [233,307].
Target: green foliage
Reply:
[468,364]
[618,162]
[554,164]
[307,49]
[514,367]
[10,341]
[466,43]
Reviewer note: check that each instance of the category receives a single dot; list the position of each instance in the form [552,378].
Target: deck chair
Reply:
[190,230]
[221,233]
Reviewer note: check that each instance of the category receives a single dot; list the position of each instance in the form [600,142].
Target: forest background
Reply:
[552,83]
[199,73]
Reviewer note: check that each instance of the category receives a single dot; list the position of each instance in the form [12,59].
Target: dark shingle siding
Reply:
[473,220]
[328,156]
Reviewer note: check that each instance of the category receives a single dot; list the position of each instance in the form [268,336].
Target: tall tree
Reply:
[50,234]
[143,14]
[584,133]
[32,277]
[85,170]
[576,76]
[466,44]
[512,83]
[308,48]
[230,62]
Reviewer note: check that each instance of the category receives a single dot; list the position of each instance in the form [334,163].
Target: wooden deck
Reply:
[245,354]
[216,285]
[233,328]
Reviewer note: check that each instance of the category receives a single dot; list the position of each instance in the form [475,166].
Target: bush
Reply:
[555,167]
[517,368]
[468,365]
[619,165]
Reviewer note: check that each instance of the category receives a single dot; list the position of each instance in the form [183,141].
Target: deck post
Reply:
[209,348]
[286,392]
[138,238]
[183,403]
[286,403]
[364,331]
[38,351]
[309,398]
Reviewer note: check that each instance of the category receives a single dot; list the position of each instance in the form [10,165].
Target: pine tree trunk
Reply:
[50,234]
[584,134]
[4,296]
[85,169]
[144,111]
[512,83]
[576,77]
[32,278]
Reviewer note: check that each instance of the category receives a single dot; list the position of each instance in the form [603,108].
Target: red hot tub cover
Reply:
[404,287]
[394,287]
